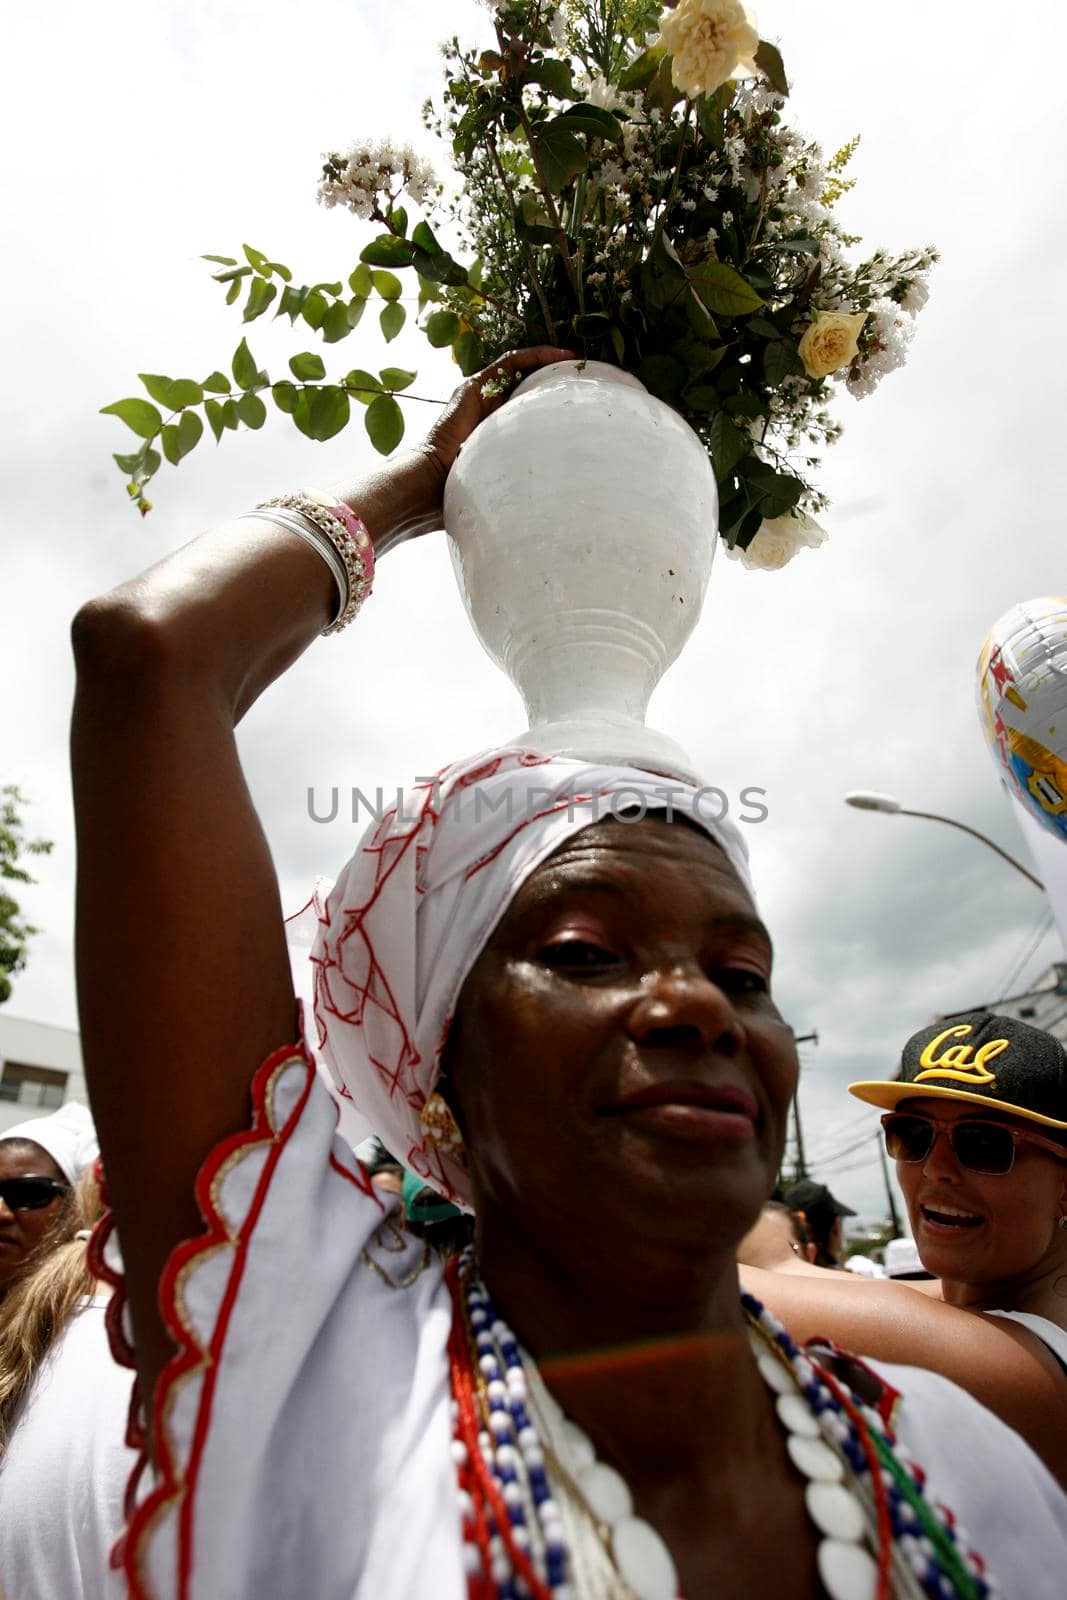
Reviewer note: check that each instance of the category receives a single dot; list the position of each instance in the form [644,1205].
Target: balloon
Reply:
[1022,704]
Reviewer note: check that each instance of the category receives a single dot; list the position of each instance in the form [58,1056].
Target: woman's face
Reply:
[22,1231]
[974,1227]
[616,1053]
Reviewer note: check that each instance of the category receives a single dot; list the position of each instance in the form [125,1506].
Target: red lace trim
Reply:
[173,1483]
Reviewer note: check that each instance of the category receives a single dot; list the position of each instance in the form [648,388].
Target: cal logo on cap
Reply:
[955,1060]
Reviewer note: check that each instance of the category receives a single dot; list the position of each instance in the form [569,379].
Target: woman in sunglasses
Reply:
[39,1163]
[976,1121]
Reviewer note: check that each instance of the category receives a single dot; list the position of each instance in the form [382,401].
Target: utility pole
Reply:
[802,1166]
[897,1229]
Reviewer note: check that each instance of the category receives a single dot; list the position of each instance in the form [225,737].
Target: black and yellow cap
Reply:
[995,1062]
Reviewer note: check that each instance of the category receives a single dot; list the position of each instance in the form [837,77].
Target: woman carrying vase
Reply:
[977,1124]
[563,1023]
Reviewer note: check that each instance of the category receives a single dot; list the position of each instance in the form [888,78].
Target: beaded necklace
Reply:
[544,1519]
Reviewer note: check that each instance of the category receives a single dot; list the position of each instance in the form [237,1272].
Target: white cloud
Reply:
[138,135]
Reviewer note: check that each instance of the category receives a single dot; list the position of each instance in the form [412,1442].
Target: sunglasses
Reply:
[30,1194]
[979,1146]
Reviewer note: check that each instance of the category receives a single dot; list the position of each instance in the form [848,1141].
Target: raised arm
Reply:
[1000,1363]
[183,974]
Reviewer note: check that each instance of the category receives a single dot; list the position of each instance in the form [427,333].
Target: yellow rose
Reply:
[710,41]
[831,341]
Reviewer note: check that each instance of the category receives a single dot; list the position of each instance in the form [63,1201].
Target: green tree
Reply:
[15,933]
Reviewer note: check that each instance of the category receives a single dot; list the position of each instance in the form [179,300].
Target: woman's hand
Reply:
[479,397]
[405,496]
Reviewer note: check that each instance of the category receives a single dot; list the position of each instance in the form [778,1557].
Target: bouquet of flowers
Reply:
[625,184]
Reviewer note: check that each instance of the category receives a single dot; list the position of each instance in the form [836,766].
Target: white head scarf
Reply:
[411,911]
[68,1135]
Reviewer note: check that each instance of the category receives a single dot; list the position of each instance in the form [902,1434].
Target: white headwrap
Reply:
[410,913]
[68,1135]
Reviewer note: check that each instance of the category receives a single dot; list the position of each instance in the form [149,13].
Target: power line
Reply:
[1014,972]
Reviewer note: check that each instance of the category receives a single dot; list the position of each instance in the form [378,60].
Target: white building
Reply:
[40,1068]
[1043,1006]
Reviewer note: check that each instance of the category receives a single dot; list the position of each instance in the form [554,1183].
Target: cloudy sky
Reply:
[141,134]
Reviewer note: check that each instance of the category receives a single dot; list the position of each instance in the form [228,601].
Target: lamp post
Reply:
[868,800]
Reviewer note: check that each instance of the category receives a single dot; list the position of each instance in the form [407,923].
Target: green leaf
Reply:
[232,274]
[388,285]
[320,413]
[388,251]
[592,119]
[392,319]
[214,412]
[663,376]
[702,397]
[423,236]
[769,60]
[136,414]
[399,218]
[561,155]
[218,381]
[554,75]
[256,258]
[223,261]
[469,353]
[244,367]
[780,361]
[640,73]
[618,344]
[749,406]
[728,445]
[364,385]
[355,309]
[700,319]
[190,431]
[173,393]
[441,328]
[335,324]
[360,281]
[307,366]
[384,422]
[284,394]
[725,292]
[291,303]
[229,413]
[764,327]
[260,295]
[252,411]
[315,308]
[396,378]
[280,270]
[233,292]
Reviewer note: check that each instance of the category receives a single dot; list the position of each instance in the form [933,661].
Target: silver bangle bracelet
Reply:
[328,523]
[293,522]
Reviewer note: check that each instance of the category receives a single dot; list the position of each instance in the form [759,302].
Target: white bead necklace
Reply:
[574,1516]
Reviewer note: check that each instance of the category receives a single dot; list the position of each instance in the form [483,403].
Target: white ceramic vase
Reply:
[582,518]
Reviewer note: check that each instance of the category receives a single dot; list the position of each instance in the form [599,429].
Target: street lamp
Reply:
[868,800]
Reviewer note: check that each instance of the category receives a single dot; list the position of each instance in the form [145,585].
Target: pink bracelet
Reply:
[357,530]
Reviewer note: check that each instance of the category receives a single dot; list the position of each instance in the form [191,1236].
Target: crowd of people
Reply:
[551,1336]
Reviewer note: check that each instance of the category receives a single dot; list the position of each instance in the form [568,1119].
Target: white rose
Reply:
[778,540]
[710,42]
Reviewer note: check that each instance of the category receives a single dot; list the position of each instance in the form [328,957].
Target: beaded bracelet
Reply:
[338,525]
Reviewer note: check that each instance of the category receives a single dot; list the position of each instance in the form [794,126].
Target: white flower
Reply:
[368,169]
[888,335]
[778,540]
[557,27]
[710,41]
[916,294]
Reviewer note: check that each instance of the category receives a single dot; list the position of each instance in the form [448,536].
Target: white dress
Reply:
[64,1473]
[304,1436]
[1050,1333]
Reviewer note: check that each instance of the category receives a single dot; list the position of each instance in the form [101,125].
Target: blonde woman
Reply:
[64,1463]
